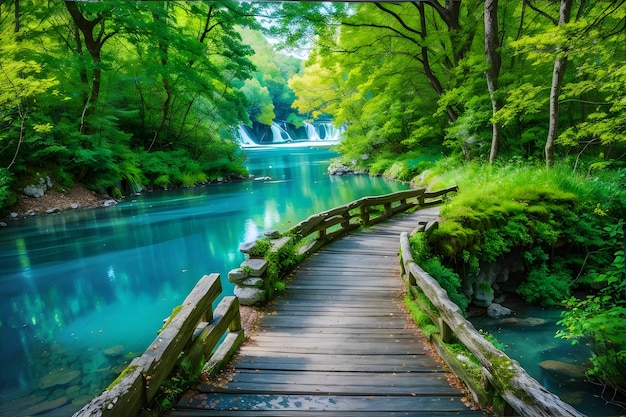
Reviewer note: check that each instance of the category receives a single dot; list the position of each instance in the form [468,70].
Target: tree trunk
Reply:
[492,73]
[560,64]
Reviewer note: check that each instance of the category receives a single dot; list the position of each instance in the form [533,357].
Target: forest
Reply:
[521,104]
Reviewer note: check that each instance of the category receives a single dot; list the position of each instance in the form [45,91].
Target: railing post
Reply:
[365,215]
[445,332]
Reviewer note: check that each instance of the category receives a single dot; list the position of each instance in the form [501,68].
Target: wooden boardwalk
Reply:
[338,343]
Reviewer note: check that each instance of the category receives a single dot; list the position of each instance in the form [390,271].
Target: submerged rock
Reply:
[528,321]
[114,351]
[45,406]
[563,368]
[60,377]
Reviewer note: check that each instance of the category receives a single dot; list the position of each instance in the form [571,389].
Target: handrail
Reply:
[346,218]
[190,335]
[505,375]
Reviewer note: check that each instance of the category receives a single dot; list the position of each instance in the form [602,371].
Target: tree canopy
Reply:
[481,80]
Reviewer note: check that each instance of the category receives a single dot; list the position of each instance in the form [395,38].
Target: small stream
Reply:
[528,337]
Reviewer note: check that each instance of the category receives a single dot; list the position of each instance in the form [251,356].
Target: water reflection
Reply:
[83,292]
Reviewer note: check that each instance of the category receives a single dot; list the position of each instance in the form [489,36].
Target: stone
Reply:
[278,244]
[496,310]
[74,206]
[246,247]
[483,296]
[237,275]
[254,282]
[60,377]
[272,234]
[563,368]
[35,191]
[114,351]
[249,296]
[45,406]
[108,203]
[528,321]
[3,224]
[255,267]
[14,215]
[53,210]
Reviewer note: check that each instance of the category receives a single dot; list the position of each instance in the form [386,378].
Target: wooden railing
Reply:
[334,223]
[190,335]
[502,376]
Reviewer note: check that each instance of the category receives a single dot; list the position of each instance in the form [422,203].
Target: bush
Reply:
[548,288]
[6,180]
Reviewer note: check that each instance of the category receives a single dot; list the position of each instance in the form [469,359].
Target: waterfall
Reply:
[244,136]
[280,135]
[330,132]
[311,131]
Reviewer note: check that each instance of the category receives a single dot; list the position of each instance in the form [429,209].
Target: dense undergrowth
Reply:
[568,230]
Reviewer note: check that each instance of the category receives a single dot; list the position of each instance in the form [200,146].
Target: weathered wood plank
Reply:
[259,402]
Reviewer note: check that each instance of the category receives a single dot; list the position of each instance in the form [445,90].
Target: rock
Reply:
[74,206]
[272,234]
[249,296]
[237,275]
[563,368]
[496,310]
[483,296]
[53,210]
[72,391]
[278,244]
[255,267]
[114,351]
[246,247]
[529,321]
[3,224]
[60,377]
[45,406]
[14,215]
[108,203]
[81,400]
[254,282]
[35,191]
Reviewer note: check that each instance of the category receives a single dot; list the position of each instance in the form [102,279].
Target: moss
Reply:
[420,318]
[173,314]
[126,371]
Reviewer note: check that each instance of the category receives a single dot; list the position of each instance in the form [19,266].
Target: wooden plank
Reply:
[338,363]
[301,413]
[227,402]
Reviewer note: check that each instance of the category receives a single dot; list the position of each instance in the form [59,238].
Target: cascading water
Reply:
[244,136]
[311,132]
[280,135]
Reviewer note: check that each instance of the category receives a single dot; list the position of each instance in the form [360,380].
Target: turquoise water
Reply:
[528,337]
[84,291]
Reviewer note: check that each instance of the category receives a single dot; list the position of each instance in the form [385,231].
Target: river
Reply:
[84,291]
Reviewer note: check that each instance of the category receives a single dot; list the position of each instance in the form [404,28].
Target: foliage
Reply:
[97,92]
[6,180]
[420,318]
[180,379]
[448,279]
[545,287]
[599,320]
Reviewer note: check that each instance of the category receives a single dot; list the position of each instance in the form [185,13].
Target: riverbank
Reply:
[54,201]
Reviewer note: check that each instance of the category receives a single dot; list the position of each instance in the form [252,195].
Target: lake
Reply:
[82,292]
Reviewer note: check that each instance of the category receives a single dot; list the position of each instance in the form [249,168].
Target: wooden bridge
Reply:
[338,343]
